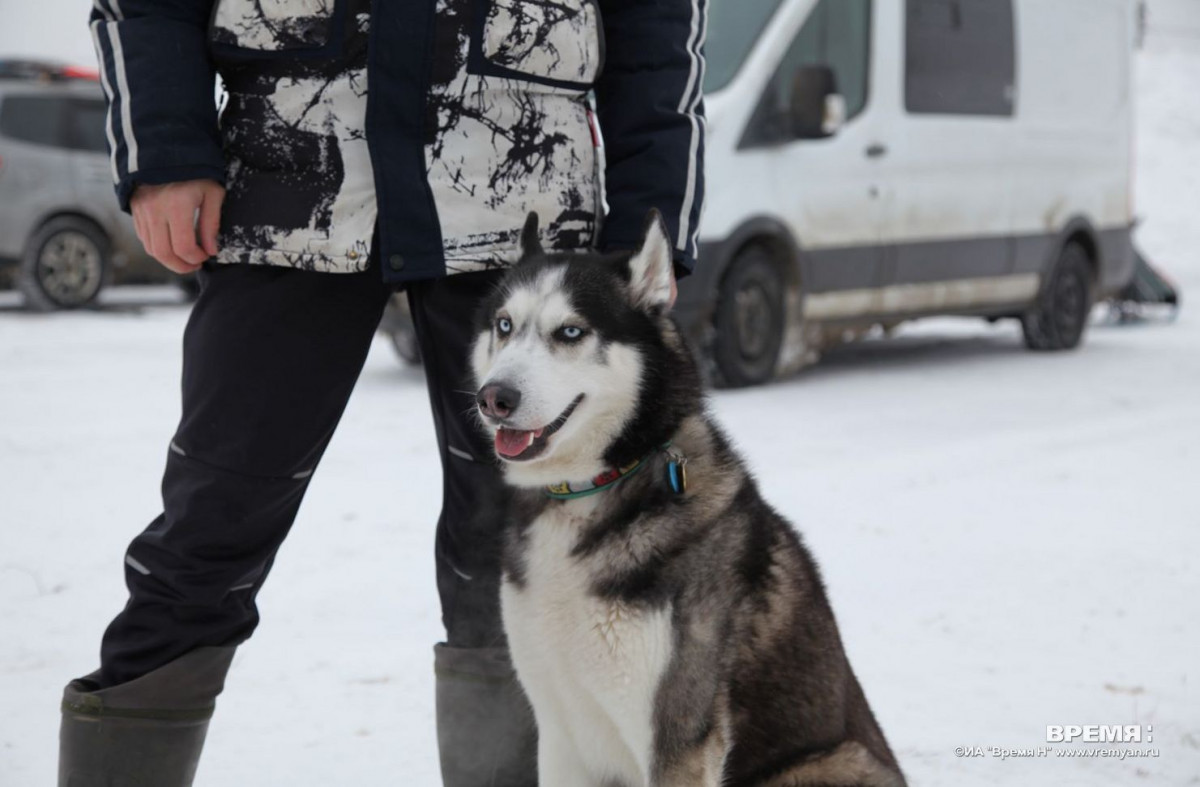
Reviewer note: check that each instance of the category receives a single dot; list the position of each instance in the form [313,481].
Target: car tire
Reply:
[750,320]
[65,265]
[1060,318]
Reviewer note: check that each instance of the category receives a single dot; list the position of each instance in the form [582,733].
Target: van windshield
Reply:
[733,28]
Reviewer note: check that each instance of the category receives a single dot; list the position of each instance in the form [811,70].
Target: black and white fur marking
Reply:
[664,640]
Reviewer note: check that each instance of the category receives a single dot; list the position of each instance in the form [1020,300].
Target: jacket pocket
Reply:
[266,27]
[559,43]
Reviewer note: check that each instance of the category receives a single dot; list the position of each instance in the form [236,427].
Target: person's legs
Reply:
[270,358]
[486,734]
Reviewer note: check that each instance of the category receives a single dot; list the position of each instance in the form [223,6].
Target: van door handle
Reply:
[876,150]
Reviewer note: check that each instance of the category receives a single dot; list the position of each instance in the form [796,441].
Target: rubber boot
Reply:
[144,733]
[486,732]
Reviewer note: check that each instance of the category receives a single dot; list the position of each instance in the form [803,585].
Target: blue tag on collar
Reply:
[677,472]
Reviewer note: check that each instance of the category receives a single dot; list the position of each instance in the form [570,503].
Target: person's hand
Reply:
[178,222]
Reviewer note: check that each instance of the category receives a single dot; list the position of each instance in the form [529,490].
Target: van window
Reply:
[960,57]
[733,29]
[34,119]
[836,34]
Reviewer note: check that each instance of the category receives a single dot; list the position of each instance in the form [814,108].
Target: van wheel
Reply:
[749,320]
[65,265]
[189,285]
[397,323]
[1060,317]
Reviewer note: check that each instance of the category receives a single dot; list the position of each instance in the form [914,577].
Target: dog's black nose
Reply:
[497,400]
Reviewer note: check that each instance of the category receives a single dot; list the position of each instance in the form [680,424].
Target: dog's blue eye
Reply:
[504,326]
[570,333]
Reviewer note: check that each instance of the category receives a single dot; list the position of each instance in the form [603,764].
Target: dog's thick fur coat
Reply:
[663,639]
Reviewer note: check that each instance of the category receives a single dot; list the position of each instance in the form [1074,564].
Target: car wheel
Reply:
[750,320]
[1060,317]
[65,265]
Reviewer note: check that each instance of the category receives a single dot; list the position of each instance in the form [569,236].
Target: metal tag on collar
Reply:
[676,471]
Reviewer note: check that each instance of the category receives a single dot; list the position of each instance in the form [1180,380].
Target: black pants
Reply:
[270,358]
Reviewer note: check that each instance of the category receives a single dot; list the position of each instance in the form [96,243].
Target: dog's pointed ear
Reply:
[531,244]
[651,266]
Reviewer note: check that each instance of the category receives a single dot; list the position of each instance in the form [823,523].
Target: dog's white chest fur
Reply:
[590,666]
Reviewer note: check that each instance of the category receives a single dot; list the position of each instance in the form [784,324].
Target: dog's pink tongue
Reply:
[512,442]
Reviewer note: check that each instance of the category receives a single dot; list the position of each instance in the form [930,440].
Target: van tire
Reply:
[750,320]
[189,285]
[65,265]
[1059,319]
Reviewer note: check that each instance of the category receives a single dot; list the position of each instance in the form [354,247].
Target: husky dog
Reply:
[668,626]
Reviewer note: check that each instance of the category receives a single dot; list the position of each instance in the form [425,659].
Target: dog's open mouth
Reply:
[518,445]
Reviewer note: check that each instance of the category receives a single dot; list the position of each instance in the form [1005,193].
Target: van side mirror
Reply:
[817,110]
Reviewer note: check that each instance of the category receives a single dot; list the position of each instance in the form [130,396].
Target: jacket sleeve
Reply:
[649,100]
[160,84]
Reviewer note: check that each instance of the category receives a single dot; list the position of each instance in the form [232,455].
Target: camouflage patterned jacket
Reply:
[430,126]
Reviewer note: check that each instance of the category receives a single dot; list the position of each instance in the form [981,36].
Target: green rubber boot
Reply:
[144,733]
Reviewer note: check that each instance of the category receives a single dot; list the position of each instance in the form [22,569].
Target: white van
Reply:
[871,161]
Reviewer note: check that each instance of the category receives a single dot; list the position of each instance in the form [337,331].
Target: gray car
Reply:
[62,235]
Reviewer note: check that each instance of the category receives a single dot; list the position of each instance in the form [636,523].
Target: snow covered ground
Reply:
[1011,540]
